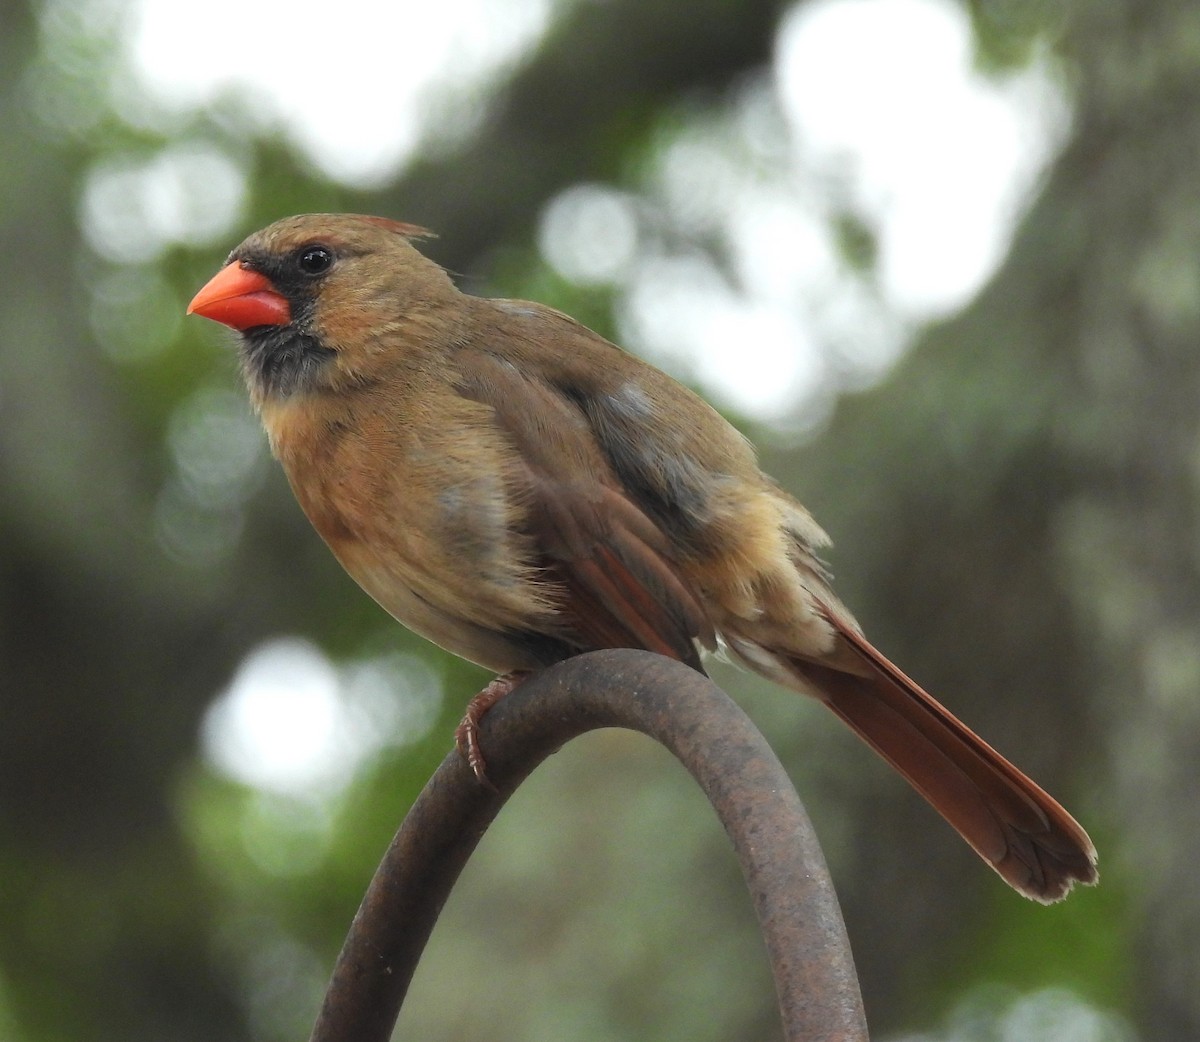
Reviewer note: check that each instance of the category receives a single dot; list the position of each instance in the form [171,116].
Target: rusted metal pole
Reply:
[782,862]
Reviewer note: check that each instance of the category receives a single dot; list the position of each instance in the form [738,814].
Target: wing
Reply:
[615,579]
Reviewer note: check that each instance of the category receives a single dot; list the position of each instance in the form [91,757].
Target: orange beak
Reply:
[241,298]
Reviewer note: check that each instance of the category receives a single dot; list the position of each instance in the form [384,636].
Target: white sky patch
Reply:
[884,99]
[589,234]
[292,722]
[132,209]
[355,84]
[998,1014]
[876,111]
[743,350]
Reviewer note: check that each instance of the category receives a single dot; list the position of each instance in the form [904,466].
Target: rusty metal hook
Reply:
[782,862]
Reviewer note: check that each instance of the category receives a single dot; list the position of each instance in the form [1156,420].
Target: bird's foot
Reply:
[466,735]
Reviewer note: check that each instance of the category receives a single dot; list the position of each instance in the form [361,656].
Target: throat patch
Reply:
[278,362]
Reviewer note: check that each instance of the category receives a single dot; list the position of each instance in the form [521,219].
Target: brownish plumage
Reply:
[515,488]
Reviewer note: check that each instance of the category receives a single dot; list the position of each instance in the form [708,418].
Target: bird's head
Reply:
[319,298]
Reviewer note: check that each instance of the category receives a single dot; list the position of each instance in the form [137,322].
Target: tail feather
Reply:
[1015,826]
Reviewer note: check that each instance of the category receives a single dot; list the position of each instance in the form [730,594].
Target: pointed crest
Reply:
[409,231]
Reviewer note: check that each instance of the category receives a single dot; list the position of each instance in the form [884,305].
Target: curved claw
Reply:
[466,735]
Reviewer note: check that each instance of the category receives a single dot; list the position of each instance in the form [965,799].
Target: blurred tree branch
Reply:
[579,110]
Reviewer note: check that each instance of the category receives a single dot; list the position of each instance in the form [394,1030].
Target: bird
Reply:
[517,489]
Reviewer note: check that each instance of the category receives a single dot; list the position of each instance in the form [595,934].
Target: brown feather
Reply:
[1015,826]
[622,588]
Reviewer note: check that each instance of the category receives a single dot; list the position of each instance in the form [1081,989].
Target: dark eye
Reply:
[314,260]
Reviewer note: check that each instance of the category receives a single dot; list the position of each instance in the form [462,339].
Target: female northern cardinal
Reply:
[518,490]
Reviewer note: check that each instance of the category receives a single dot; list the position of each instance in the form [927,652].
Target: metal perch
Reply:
[782,862]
